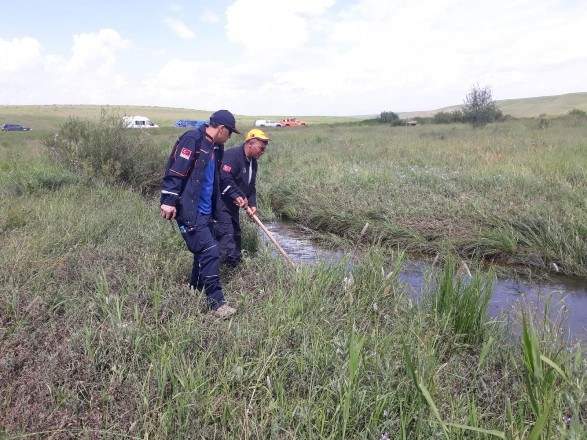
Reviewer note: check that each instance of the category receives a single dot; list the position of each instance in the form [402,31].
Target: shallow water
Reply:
[567,296]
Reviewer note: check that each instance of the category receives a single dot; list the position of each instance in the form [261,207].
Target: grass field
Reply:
[100,338]
[47,117]
[513,193]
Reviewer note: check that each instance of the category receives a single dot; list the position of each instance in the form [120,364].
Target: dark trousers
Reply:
[228,235]
[206,269]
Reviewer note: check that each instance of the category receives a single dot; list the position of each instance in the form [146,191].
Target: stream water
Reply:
[567,296]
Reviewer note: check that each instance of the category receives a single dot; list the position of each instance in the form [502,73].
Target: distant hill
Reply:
[524,107]
[52,116]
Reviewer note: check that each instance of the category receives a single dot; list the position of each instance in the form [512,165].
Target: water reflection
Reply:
[567,295]
[299,248]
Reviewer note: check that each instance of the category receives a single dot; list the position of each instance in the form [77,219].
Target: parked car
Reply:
[138,122]
[292,122]
[182,123]
[266,123]
[14,127]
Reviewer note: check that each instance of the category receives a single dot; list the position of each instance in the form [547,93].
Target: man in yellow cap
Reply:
[238,173]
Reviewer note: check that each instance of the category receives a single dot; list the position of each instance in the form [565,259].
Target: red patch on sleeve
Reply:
[185,153]
[226,168]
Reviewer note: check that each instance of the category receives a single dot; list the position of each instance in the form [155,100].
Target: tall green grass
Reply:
[461,300]
[100,338]
[511,193]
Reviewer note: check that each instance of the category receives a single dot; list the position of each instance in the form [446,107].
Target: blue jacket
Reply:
[184,172]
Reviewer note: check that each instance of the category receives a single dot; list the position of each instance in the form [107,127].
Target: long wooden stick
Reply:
[277,245]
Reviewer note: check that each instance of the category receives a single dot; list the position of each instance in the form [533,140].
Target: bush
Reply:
[578,113]
[448,118]
[424,120]
[108,151]
[389,117]
[544,123]
[576,117]
[480,108]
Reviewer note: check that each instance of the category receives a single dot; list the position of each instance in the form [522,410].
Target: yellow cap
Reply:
[255,133]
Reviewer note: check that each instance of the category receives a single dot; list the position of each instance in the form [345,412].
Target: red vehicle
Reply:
[292,122]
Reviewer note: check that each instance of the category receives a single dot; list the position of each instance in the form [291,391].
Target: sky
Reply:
[289,58]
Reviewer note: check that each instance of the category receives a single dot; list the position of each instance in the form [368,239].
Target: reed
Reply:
[462,299]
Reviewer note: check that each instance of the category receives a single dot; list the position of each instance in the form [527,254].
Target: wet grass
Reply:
[100,339]
[511,193]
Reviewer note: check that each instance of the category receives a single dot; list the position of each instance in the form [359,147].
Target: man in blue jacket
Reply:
[189,193]
[238,175]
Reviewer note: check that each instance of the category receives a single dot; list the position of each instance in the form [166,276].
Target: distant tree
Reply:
[480,108]
[578,112]
[389,117]
[448,118]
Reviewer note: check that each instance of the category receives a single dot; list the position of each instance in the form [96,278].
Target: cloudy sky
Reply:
[303,57]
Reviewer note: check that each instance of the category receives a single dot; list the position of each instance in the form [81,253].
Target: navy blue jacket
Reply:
[234,178]
[184,173]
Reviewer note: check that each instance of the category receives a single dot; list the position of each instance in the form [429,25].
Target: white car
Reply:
[138,122]
[266,123]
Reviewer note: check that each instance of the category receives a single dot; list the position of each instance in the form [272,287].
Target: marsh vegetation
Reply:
[100,338]
[513,193]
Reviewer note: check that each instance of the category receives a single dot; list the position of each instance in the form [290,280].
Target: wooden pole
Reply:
[266,231]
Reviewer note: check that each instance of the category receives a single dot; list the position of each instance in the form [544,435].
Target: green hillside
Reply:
[524,107]
[52,116]
[549,105]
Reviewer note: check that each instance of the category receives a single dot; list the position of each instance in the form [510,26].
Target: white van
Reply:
[266,123]
[138,122]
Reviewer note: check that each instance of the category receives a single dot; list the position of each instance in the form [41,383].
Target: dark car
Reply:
[187,123]
[14,127]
